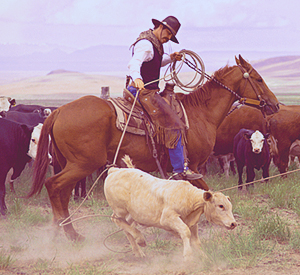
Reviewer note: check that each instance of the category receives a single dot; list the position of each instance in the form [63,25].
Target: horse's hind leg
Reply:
[59,189]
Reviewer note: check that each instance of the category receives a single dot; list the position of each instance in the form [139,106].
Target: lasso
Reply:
[196,64]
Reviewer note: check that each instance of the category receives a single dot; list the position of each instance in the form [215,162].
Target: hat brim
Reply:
[157,23]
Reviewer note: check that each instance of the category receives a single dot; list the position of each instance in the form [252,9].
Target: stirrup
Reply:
[188,175]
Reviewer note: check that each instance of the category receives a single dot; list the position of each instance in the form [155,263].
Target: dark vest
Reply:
[151,70]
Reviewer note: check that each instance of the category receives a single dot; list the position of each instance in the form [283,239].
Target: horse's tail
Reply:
[42,160]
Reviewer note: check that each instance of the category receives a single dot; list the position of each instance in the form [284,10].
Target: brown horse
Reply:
[285,127]
[85,136]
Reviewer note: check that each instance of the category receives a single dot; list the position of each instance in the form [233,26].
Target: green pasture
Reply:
[267,234]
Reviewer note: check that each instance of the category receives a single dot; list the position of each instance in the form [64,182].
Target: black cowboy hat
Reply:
[171,23]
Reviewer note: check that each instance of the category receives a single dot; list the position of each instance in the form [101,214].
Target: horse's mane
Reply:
[203,93]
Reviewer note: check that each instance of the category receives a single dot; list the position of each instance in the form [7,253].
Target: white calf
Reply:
[5,103]
[137,197]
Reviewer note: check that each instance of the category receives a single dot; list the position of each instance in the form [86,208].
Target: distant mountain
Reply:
[94,59]
[106,58]
[282,66]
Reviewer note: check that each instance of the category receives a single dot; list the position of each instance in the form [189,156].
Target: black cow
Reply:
[250,149]
[14,146]
[28,108]
[31,119]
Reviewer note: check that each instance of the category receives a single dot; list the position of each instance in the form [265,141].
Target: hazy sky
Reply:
[258,25]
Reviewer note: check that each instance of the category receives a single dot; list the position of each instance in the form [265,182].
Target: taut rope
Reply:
[260,180]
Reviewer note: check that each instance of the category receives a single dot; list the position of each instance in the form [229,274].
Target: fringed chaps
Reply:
[168,126]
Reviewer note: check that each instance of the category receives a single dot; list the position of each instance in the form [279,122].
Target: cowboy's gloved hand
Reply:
[139,84]
[176,56]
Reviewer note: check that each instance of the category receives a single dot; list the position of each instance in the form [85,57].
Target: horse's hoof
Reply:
[80,238]
[75,237]
[141,242]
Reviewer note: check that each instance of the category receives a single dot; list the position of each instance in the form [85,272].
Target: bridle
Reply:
[242,100]
[249,101]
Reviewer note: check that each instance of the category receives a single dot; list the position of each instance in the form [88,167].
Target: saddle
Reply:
[140,122]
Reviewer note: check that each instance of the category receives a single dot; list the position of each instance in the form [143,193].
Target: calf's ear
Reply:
[247,136]
[207,196]
[12,102]
[27,129]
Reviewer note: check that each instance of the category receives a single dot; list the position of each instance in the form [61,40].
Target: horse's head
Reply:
[254,87]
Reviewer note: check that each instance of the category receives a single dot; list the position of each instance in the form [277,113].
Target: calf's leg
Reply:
[240,172]
[133,235]
[3,207]
[250,176]
[195,241]
[265,169]
[170,220]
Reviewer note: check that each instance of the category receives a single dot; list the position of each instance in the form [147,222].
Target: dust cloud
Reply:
[50,244]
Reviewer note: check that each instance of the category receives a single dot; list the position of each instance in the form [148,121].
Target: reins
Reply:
[242,100]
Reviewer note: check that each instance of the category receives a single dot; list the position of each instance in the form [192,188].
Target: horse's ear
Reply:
[244,63]
[237,61]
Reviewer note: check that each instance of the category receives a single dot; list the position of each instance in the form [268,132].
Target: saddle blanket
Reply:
[138,119]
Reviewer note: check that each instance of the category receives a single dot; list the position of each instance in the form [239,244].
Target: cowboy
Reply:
[144,69]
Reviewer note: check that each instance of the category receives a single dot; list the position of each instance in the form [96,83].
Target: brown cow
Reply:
[137,197]
[285,127]
[295,152]
[244,117]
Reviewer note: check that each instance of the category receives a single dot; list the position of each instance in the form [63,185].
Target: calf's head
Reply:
[218,209]
[5,104]
[35,136]
[257,141]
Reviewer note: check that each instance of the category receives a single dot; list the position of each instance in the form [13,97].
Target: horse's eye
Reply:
[33,140]
[221,206]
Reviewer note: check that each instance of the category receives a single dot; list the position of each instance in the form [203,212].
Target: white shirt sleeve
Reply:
[166,60]
[142,52]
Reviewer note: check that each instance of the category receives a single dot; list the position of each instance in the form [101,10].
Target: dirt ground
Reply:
[46,250]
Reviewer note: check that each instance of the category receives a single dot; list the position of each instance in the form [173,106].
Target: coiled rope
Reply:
[196,64]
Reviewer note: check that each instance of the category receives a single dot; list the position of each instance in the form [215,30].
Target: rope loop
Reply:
[196,64]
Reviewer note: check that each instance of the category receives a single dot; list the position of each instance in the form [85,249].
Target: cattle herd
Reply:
[246,137]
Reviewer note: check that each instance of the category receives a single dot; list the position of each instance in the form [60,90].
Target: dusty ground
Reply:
[45,250]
